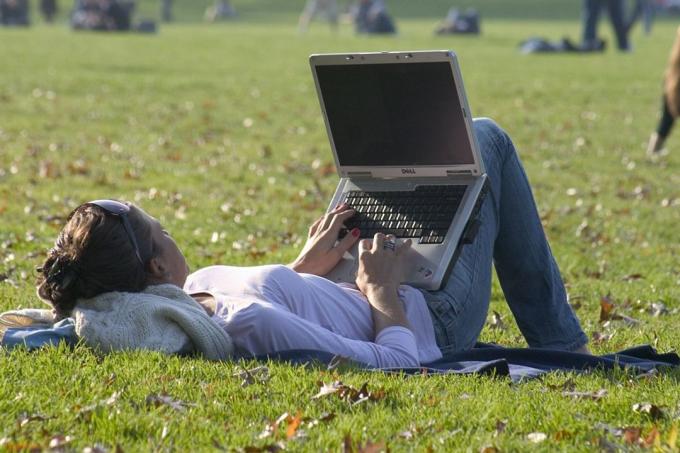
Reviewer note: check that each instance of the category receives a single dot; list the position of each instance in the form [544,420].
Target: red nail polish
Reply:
[356,232]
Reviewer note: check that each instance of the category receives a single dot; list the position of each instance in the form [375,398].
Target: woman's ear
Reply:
[157,270]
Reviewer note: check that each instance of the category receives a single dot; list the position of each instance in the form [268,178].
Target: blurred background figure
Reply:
[457,22]
[670,101]
[591,16]
[14,13]
[313,8]
[48,8]
[102,15]
[166,10]
[370,16]
[645,10]
[221,10]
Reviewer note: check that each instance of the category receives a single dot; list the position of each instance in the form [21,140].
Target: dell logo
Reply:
[408,171]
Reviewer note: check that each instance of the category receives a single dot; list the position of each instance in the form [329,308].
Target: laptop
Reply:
[401,133]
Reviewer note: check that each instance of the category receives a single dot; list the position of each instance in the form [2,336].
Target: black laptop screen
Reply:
[404,114]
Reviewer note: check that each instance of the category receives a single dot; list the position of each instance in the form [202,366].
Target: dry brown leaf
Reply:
[293,424]
[650,409]
[497,321]
[500,427]
[59,441]
[599,338]
[166,400]
[631,434]
[562,435]
[653,438]
[25,419]
[259,375]
[606,308]
[372,447]
[595,396]
[657,309]
[489,449]
[566,386]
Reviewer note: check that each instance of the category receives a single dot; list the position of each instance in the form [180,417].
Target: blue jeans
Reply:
[591,16]
[511,236]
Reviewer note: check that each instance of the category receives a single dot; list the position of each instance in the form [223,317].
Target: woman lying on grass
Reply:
[108,246]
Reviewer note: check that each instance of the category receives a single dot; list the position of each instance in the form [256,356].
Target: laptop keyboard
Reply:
[424,213]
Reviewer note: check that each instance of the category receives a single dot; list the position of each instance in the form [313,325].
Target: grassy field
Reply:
[216,130]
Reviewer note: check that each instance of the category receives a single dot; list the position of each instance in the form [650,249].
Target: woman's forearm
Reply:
[386,309]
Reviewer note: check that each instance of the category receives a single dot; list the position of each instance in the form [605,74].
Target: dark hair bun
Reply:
[59,275]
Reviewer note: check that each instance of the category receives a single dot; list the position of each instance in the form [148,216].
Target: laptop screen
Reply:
[396,114]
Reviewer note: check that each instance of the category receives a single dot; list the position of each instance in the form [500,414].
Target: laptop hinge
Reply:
[359,174]
[458,172]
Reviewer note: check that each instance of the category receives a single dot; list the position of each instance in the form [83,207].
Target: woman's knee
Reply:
[493,141]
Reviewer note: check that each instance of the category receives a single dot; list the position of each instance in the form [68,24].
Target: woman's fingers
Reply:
[328,218]
[348,241]
[404,246]
[378,242]
[339,219]
[315,226]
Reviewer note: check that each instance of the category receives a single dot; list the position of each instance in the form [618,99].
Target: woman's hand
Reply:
[380,272]
[381,263]
[323,250]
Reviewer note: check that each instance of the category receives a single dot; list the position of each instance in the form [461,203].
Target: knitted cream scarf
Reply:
[160,318]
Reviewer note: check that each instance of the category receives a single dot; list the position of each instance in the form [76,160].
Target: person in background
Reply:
[591,16]
[642,9]
[670,101]
[313,8]
[166,10]
[49,9]
[370,16]
[221,10]
[14,13]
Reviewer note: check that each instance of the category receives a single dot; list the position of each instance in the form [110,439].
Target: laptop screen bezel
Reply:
[386,171]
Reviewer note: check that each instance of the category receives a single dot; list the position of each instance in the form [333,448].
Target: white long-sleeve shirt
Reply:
[273,308]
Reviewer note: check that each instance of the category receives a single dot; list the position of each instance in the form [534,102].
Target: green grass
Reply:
[159,120]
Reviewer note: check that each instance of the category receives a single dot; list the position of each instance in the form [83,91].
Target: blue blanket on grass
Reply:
[485,359]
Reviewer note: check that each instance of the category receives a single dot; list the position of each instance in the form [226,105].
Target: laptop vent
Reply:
[458,172]
[358,173]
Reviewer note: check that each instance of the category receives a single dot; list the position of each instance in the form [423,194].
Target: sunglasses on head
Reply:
[121,210]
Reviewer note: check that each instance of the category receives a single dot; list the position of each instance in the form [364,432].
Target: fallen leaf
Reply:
[166,400]
[653,438]
[657,309]
[327,389]
[536,437]
[59,441]
[595,396]
[650,409]
[562,435]
[293,424]
[599,337]
[566,386]
[258,375]
[631,435]
[25,419]
[371,447]
[606,308]
[489,449]
[497,321]
[500,427]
